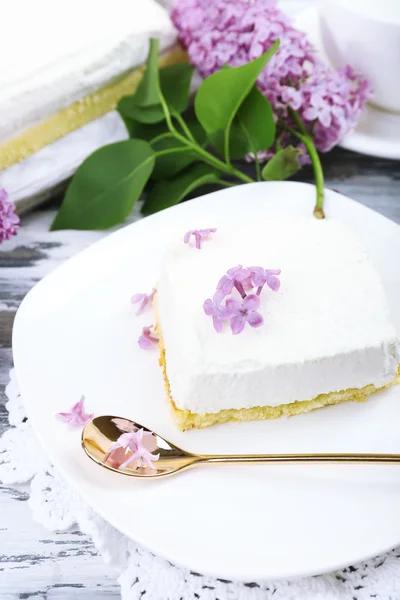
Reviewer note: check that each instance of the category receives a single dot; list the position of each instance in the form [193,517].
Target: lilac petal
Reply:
[127,440]
[273,283]
[233,306]
[217,323]
[218,297]
[78,407]
[209,307]
[149,458]
[272,272]
[225,285]
[135,456]
[206,232]
[258,276]
[187,237]
[237,324]
[232,272]
[251,302]
[242,275]
[137,298]
[64,417]
[144,343]
[247,283]
[254,319]
[225,312]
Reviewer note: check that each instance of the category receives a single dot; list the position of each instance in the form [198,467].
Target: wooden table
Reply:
[33,562]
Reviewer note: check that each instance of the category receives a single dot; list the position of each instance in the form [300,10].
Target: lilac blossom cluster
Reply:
[8,219]
[216,32]
[136,448]
[238,312]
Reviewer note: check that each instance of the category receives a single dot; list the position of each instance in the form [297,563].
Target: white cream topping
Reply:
[61,53]
[327,329]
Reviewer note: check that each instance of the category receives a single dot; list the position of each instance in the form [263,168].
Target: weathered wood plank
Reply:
[37,564]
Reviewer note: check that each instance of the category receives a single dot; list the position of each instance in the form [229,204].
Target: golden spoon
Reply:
[101,433]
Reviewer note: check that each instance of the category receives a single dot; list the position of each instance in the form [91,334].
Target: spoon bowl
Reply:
[100,433]
[112,443]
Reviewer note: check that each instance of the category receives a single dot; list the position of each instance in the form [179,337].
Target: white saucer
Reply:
[378,131]
[76,332]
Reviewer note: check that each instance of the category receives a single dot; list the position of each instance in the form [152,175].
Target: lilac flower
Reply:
[213,308]
[245,312]
[76,417]
[8,219]
[237,277]
[198,234]
[260,277]
[133,442]
[147,339]
[144,299]
[215,32]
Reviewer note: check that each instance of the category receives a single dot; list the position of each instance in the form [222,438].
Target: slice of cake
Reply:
[308,327]
[63,68]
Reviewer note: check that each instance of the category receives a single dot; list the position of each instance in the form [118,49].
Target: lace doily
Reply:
[144,576]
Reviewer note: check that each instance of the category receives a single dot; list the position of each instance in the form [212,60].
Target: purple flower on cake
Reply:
[135,443]
[237,277]
[143,299]
[240,279]
[147,339]
[213,308]
[244,312]
[215,32]
[77,416]
[260,277]
[198,235]
[8,219]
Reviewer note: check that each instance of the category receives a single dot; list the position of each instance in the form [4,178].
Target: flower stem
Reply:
[318,174]
[185,128]
[160,137]
[304,136]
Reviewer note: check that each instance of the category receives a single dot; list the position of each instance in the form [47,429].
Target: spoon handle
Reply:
[380,459]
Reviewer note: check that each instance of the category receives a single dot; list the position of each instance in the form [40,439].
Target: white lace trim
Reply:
[143,576]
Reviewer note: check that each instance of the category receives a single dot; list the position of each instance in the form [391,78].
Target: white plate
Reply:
[378,131]
[76,332]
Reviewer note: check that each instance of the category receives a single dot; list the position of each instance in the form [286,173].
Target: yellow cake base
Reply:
[187,420]
[78,114]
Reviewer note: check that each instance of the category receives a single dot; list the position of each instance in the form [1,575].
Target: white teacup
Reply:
[366,35]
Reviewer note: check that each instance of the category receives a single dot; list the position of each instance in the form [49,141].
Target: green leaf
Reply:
[175,85]
[144,131]
[238,142]
[256,120]
[147,90]
[252,130]
[106,186]
[220,95]
[127,107]
[169,165]
[282,165]
[168,193]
